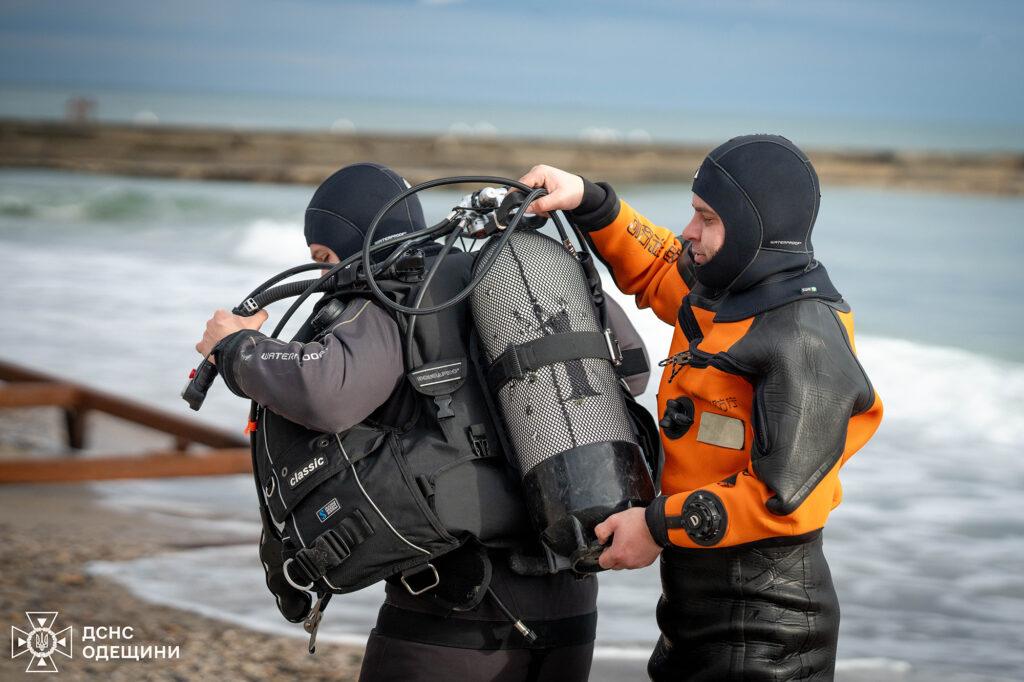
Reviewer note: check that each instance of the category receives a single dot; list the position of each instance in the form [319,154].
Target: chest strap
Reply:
[329,550]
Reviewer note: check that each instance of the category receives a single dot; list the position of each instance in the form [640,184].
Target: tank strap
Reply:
[516,362]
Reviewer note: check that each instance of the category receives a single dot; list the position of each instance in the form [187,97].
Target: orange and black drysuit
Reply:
[762,401]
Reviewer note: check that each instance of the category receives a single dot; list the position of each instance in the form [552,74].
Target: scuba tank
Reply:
[552,373]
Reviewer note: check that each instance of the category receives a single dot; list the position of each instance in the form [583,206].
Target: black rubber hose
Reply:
[263,296]
[482,269]
[283,275]
[275,294]
[427,234]
[435,266]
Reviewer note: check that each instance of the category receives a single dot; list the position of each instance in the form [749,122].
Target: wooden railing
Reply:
[228,453]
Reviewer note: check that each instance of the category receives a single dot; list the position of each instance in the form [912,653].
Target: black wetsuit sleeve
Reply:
[808,384]
[327,385]
[600,206]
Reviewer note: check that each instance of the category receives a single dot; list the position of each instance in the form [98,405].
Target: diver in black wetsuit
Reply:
[356,369]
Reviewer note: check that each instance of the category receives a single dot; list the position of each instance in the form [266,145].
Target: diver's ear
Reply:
[323,254]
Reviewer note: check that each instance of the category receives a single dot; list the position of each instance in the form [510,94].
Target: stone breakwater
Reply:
[309,157]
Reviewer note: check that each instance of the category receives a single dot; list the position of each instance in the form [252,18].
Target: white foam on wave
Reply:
[273,242]
[877,664]
[946,394]
[622,653]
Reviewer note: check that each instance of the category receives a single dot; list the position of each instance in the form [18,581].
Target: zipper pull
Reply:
[678,361]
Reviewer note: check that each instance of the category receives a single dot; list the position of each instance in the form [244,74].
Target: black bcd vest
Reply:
[424,475]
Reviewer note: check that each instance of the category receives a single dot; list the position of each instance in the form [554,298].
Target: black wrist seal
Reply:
[704,518]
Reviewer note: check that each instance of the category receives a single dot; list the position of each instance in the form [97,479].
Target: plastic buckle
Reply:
[307,566]
[444,406]
[414,592]
[614,351]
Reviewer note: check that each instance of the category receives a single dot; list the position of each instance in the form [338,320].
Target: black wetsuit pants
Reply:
[388,659]
[415,640]
[766,611]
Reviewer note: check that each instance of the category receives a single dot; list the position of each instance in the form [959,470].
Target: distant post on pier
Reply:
[80,109]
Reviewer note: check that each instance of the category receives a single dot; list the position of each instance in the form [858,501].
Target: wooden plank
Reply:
[158,465]
[183,428]
[39,394]
[11,372]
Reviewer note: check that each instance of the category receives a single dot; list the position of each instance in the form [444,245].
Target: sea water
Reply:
[109,281]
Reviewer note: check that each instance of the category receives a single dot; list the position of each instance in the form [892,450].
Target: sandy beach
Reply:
[52,531]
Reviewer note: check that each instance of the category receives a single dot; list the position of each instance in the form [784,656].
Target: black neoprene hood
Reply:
[767,194]
[345,203]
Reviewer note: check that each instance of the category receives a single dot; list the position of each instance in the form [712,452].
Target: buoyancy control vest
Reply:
[428,473]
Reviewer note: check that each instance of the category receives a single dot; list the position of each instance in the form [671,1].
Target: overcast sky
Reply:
[935,60]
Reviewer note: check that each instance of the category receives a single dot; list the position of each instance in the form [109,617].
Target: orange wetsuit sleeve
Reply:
[734,512]
[643,259]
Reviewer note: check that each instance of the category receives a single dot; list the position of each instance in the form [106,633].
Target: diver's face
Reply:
[706,232]
[323,254]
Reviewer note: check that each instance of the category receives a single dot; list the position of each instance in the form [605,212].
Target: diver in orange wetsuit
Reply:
[761,402]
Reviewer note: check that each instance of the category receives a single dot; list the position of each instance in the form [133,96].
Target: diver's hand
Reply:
[224,324]
[565,190]
[632,545]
